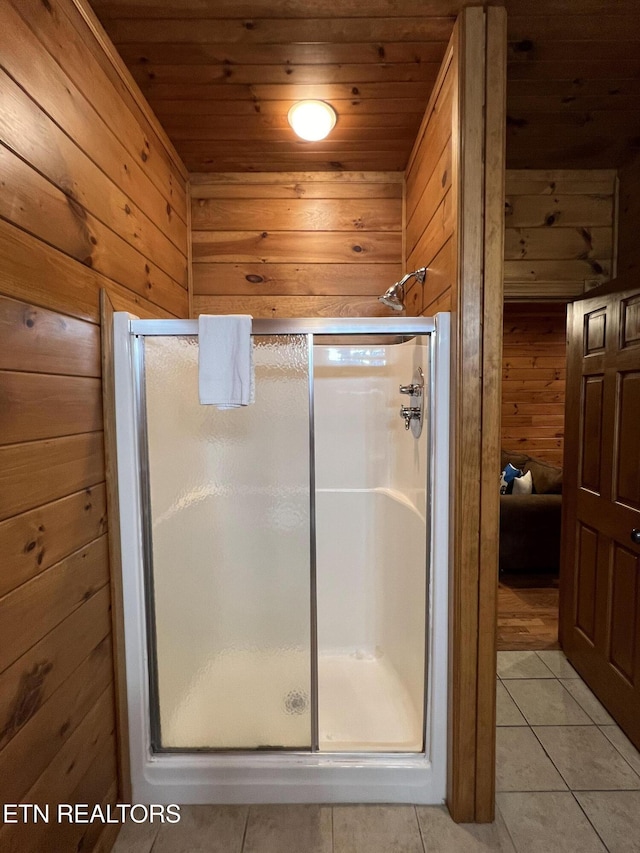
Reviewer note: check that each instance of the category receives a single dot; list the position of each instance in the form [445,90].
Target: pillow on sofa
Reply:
[547,479]
[509,474]
[523,485]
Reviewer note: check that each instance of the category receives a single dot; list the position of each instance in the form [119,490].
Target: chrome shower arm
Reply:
[420,275]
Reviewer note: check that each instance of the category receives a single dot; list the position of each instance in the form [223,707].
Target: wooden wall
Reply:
[629,218]
[295,244]
[431,205]
[533,379]
[91,198]
[559,237]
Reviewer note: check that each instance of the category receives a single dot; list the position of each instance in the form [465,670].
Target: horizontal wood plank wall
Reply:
[533,379]
[91,198]
[295,244]
[559,232]
[628,218]
[431,205]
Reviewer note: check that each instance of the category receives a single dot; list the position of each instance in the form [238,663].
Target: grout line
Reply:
[542,661]
[551,759]
[624,758]
[573,794]
[555,725]
[504,825]
[424,846]
[155,838]
[244,832]
[333,843]
[575,699]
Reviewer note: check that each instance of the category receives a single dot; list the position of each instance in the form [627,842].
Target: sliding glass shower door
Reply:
[286,545]
[228,551]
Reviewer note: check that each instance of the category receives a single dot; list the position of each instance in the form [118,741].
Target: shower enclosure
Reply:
[285,564]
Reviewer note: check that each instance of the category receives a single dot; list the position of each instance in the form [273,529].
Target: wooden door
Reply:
[600,578]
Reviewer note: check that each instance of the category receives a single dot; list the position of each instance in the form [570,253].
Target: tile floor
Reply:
[567,780]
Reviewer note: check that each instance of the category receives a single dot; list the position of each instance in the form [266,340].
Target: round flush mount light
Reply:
[312,120]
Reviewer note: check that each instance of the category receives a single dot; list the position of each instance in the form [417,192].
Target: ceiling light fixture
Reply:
[312,120]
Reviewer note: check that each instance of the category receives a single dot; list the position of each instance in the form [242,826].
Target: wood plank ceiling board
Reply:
[221,76]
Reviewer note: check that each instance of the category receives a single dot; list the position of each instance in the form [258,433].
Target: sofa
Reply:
[530,524]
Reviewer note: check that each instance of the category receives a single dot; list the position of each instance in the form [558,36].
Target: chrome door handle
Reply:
[635,536]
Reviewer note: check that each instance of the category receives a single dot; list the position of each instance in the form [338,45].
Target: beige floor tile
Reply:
[548,823]
[587,701]
[288,829]
[375,829]
[616,817]
[624,746]
[586,759]
[521,763]
[546,703]
[507,713]
[135,838]
[441,835]
[204,829]
[558,664]
[522,665]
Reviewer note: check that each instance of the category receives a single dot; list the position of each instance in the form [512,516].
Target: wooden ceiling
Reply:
[222,74]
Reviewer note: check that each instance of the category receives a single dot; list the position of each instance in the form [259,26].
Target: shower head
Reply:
[394,296]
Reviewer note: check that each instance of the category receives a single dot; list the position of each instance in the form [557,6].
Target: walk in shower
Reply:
[285,563]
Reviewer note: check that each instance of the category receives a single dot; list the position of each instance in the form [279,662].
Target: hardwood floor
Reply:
[527,612]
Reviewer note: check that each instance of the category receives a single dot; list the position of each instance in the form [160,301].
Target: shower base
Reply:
[255,699]
[364,706]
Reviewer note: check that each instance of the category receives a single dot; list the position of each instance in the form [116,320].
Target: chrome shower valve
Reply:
[410,413]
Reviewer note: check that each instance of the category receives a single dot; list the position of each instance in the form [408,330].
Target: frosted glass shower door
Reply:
[230,568]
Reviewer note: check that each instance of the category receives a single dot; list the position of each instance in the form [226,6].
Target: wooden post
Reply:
[478,125]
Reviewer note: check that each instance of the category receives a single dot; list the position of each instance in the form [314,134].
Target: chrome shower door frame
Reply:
[287,776]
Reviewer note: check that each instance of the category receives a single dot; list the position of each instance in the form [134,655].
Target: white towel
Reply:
[226,376]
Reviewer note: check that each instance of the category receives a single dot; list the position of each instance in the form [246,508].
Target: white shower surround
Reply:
[299,777]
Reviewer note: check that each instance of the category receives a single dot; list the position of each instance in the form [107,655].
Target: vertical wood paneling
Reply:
[533,379]
[295,245]
[91,199]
